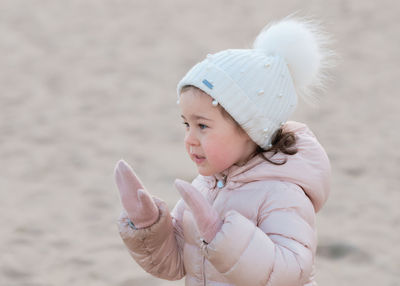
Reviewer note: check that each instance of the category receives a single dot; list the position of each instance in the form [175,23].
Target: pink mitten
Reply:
[137,202]
[207,219]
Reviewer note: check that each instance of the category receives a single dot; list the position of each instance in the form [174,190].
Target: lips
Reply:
[198,159]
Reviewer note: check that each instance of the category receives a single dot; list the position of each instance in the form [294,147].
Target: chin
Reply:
[205,172]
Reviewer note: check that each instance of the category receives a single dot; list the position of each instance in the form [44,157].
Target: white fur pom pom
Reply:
[301,44]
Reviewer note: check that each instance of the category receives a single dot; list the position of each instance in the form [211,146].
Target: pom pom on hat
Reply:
[301,43]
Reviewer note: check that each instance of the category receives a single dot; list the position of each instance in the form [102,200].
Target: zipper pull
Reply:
[203,246]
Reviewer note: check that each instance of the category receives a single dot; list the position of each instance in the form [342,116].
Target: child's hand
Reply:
[137,202]
[207,219]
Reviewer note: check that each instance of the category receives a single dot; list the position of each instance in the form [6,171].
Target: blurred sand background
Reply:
[85,83]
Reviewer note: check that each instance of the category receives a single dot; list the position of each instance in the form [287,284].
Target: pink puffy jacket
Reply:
[268,236]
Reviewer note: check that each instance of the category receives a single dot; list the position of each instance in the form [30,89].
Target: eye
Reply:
[186,124]
[203,126]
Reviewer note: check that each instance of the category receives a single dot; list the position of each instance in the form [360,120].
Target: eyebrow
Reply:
[197,117]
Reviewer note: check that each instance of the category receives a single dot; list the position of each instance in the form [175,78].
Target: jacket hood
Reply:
[309,168]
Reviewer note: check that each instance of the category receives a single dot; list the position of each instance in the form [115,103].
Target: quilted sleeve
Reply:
[158,248]
[279,250]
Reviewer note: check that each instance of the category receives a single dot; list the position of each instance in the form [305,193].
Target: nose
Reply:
[191,138]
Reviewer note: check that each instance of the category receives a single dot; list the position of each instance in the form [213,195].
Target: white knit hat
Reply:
[258,87]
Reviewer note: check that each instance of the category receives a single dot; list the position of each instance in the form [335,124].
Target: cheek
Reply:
[218,152]
[211,143]
[185,142]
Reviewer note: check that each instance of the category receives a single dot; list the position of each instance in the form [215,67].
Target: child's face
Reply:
[212,141]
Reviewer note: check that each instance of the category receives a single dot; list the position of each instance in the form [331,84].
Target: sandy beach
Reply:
[85,83]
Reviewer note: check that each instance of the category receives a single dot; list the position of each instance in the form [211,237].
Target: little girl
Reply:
[249,217]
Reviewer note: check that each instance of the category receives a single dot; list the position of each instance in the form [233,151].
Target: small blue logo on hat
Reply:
[208,84]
